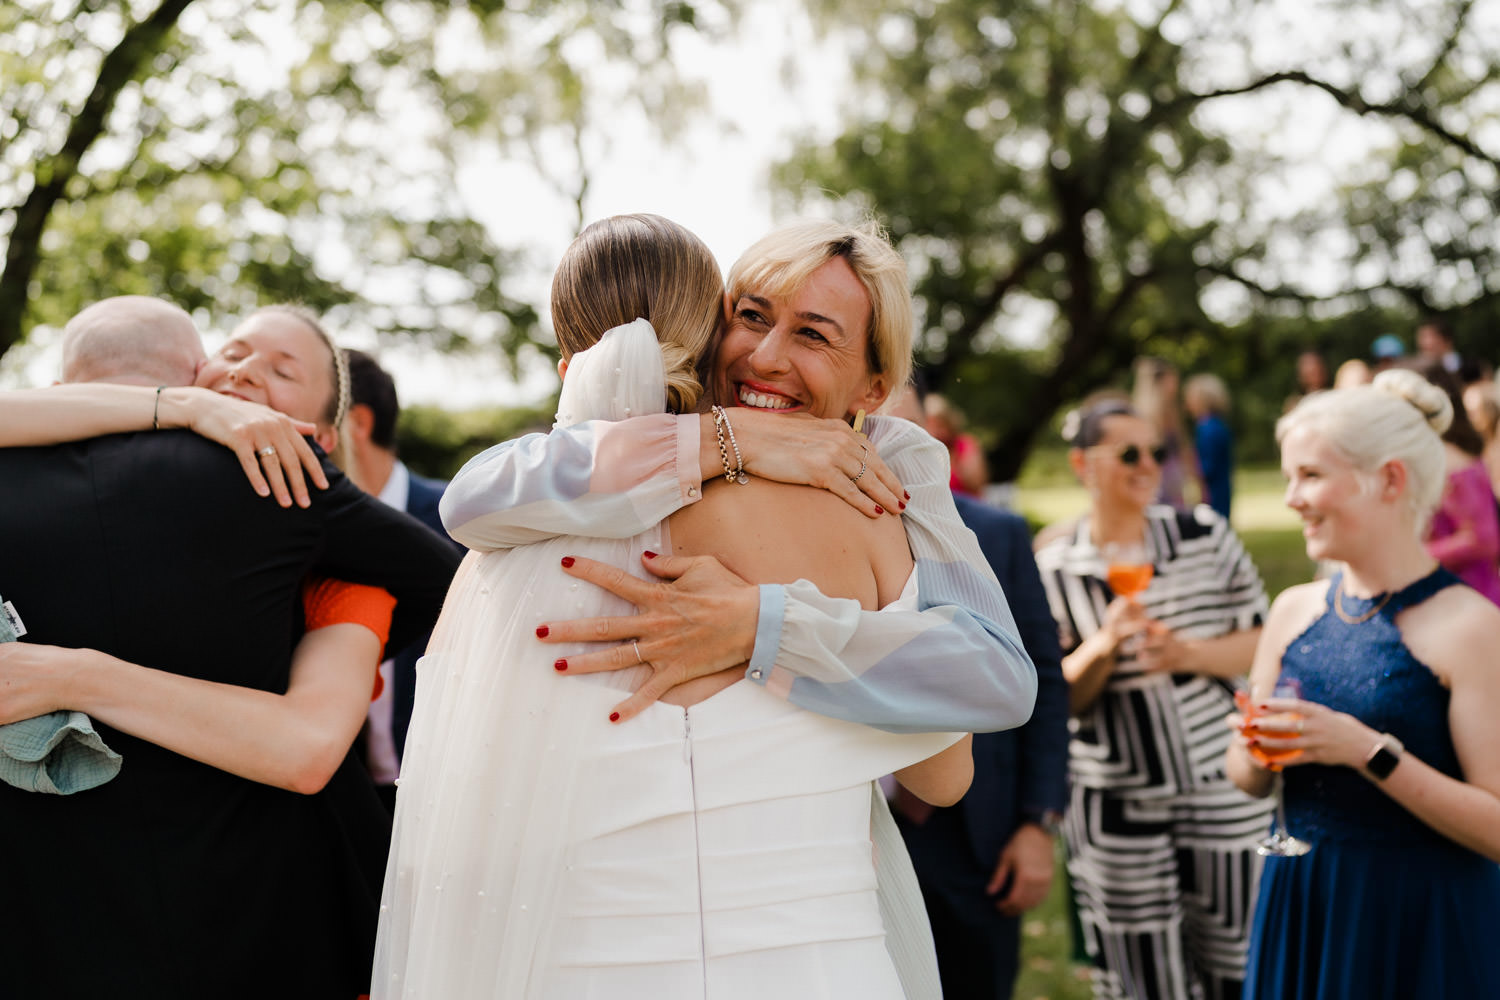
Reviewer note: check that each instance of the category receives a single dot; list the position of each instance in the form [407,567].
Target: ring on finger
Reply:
[1297,727]
[862,467]
[639,659]
[267,452]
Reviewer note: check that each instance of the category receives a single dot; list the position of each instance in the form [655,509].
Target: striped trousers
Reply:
[1164,888]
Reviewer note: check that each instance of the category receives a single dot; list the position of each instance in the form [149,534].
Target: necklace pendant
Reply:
[743,479]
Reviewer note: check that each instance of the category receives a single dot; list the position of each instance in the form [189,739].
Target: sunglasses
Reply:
[1131,454]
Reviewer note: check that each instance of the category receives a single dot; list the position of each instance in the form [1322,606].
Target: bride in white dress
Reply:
[716,847]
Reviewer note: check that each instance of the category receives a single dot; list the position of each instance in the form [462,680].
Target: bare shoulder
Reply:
[1453,632]
[1294,609]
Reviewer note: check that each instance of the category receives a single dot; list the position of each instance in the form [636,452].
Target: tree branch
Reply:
[1407,109]
[985,308]
[1286,293]
[122,64]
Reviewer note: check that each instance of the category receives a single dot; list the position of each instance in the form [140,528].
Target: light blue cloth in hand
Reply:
[58,753]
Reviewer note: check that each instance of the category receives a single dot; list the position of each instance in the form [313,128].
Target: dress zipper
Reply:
[687,756]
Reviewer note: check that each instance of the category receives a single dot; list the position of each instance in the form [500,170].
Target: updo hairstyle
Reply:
[1084,427]
[630,267]
[1400,417]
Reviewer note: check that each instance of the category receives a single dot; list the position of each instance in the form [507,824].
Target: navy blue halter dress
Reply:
[1383,906]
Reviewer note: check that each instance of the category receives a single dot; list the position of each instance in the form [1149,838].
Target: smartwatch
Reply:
[1384,758]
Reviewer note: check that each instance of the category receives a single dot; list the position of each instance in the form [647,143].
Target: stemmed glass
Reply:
[1128,571]
[1280,842]
[1127,567]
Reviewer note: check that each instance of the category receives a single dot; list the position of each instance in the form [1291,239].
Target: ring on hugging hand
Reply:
[639,659]
[267,452]
[863,465]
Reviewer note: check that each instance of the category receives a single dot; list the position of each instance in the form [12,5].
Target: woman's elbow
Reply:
[310,770]
[954,784]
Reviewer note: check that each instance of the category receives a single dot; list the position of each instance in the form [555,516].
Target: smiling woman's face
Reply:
[805,352]
[1122,470]
[277,360]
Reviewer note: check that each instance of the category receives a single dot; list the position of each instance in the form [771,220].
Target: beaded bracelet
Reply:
[735,473]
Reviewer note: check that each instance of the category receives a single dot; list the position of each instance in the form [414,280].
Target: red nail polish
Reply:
[901,504]
[908,495]
[567,561]
[541,631]
[614,716]
[649,554]
[879,509]
[560,665]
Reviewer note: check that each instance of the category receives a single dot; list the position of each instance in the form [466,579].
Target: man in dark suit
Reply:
[175,880]
[370,429]
[985,861]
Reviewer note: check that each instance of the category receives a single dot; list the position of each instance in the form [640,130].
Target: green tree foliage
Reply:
[1059,167]
[226,153]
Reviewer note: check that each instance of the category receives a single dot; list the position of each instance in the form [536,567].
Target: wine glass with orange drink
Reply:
[1280,841]
[1127,568]
[1128,571]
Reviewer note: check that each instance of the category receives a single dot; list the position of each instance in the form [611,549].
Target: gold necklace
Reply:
[1346,617]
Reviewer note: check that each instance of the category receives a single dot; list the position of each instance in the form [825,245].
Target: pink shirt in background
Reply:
[1465,532]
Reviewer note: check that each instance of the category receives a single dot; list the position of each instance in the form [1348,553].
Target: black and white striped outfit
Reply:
[1161,845]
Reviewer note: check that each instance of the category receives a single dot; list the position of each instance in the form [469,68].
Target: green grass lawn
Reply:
[1273,536]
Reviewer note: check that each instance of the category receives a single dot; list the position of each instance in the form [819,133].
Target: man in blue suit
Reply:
[370,430]
[985,861]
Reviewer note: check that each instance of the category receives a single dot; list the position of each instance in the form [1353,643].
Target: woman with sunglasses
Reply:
[1161,845]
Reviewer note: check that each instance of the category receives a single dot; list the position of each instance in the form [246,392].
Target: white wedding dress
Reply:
[721,851]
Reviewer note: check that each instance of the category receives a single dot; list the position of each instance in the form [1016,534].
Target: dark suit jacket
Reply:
[1021,771]
[422,504]
[178,880]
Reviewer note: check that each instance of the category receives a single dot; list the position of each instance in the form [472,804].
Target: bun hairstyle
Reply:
[630,267]
[1460,432]
[1398,417]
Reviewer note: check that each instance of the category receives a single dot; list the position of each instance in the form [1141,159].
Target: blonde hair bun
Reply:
[1430,400]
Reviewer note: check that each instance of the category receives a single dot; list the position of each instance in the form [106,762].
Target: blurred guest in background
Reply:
[1157,612]
[1312,376]
[1435,344]
[370,433]
[1482,404]
[1355,371]
[1386,350]
[946,422]
[987,860]
[371,447]
[1207,401]
[1155,399]
[1465,531]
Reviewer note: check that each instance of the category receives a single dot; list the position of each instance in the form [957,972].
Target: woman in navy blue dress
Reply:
[1395,778]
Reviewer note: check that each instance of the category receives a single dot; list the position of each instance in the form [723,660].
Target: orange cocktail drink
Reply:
[1128,579]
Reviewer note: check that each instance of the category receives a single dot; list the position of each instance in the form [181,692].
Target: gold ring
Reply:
[639,659]
[267,452]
